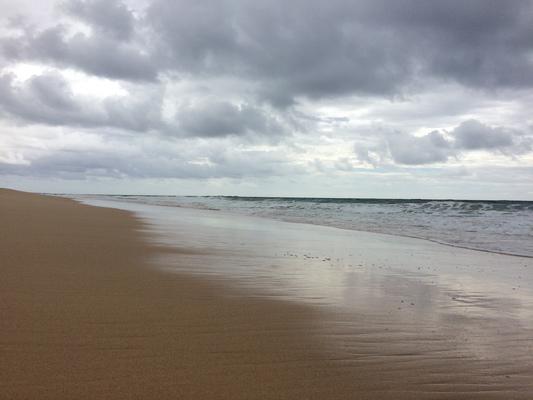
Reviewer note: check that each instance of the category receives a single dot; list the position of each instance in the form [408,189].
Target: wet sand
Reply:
[96,303]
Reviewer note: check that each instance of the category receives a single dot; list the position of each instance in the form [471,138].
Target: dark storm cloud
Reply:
[318,49]
[299,48]
[288,49]
[479,43]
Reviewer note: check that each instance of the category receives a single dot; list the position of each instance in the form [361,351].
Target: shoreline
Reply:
[89,315]
[443,243]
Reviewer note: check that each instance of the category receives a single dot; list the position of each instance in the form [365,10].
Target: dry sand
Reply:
[85,316]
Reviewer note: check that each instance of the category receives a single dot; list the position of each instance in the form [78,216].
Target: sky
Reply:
[338,98]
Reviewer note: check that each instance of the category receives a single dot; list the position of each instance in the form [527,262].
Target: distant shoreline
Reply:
[362,199]
[323,223]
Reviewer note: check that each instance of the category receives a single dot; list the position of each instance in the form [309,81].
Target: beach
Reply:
[135,301]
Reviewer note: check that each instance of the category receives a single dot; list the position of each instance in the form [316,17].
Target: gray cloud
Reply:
[287,52]
[215,118]
[48,99]
[439,146]
[148,160]
[109,17]
[374,155]
[412,150]
[344,47]
[473,135]
[97,53]
[295,75]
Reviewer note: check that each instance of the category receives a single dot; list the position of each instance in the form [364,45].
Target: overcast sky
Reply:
[367,98]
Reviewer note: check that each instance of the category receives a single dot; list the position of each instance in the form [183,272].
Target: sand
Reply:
[87,313]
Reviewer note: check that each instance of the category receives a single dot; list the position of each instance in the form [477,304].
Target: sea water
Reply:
[495,226]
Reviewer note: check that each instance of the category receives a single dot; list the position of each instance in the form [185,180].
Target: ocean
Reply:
[495,226]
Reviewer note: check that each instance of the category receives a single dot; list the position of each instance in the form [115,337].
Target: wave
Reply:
[496,226]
